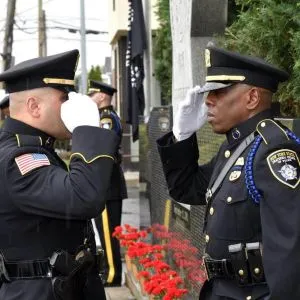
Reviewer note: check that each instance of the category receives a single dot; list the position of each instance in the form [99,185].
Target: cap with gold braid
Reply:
[228,67]
[100,87]
[56,71]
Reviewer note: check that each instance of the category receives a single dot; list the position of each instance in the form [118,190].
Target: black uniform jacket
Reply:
[44,207]
[109,119]
[232,216]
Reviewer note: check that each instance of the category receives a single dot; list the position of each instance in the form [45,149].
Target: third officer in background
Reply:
[250,188]
[102,94]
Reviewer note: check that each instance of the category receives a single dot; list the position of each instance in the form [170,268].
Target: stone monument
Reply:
[193,25]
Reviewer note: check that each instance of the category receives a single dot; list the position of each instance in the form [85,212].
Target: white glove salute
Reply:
[191,114]
[79,110]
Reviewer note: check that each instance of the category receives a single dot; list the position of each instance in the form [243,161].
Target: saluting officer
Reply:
[46,240]
[251,186]
[102,94]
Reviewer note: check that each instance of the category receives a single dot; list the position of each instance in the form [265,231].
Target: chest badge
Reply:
[237,169]
[234,175]
[285,166]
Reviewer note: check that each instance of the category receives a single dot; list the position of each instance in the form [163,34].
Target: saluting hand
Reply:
[79,110]
[191,114]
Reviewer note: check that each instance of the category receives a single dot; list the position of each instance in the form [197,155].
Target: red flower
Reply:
[157,248]
[129,228]
[158,256]
[157,290]
[143,274]
[143,234]
[143,261]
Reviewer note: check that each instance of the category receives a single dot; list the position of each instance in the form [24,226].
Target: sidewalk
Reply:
[130,215]
[118,293]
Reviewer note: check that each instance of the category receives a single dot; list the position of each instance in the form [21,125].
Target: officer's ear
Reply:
[253,98]
[33,106]
[102,96]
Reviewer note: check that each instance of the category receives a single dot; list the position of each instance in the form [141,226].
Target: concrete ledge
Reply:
[118,293]
[134,287]
[132,178]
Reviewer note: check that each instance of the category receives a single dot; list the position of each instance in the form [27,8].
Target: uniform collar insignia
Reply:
[242,130]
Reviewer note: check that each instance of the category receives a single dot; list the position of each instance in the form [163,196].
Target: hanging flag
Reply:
[136,44]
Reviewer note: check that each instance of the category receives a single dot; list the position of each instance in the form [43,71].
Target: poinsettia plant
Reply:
[127,235]
[148,262]
[165,286]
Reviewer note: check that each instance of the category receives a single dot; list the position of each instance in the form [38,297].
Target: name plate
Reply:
[181,215]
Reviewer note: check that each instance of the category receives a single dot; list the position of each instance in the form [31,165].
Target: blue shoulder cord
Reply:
[250,183]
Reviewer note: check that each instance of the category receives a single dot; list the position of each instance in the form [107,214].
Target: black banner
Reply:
[136,44]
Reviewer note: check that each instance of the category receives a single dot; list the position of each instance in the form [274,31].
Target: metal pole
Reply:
[83,48]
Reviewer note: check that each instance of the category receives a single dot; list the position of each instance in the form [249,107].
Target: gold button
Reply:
[241,272]
[207,238]
[229,199]
[248,298]
[256,270]
[263,124]
[211,211]
[227,153]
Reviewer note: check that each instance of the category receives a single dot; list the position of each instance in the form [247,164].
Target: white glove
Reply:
[191,114]
[79,110]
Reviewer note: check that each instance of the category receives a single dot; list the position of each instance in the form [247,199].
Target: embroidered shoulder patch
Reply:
[106,123]
[285,166]
[30,161]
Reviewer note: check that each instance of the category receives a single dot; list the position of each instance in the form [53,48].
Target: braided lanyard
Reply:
[249,178]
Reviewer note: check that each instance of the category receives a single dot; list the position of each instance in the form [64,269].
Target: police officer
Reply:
[4,106]
[46,242]
[251,186]
[102,94]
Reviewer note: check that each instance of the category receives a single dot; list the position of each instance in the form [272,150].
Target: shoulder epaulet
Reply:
[28,140]
[271,131]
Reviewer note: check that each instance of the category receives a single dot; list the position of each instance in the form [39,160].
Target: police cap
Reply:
[100,87]
[4,103]
[228,67]
[56,71]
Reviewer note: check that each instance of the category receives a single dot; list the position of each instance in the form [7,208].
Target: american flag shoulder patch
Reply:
[30,161]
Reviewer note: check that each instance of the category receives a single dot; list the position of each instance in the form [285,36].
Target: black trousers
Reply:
[206,293]
[209,293]
[41,289]
[106,223]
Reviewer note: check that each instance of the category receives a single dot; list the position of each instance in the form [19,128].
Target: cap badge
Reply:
[207,58]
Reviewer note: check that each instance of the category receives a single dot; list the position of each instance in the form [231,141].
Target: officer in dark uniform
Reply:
[102,94]
[47,246]
[251,186]
[4,106]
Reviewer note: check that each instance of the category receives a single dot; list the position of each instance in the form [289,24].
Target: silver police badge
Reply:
[285,167]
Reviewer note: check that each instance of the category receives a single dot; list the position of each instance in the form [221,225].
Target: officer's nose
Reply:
[210,99]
